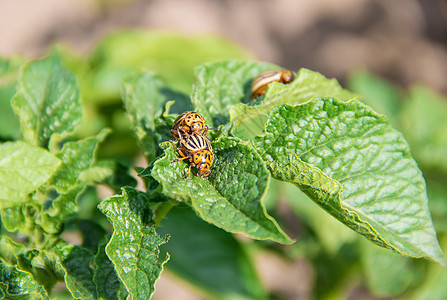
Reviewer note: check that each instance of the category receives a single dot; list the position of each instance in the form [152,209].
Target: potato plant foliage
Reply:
[344,169]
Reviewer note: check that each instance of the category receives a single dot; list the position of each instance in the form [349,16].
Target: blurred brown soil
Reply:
[403,40]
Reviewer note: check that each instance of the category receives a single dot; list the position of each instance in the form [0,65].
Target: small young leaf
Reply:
[208,257]
[144,96]
[351,162]
[59,208]
[23,168]
[134,246]
[9,250]
[17,284]
[307,85]
[76,157]
[47,101]
[218,86]
[231,197]
[13,218]
[73,263]
[108,284]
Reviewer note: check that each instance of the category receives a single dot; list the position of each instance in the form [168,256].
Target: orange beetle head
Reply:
[287,76]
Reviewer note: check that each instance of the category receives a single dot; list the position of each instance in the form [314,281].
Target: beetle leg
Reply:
[182,138]
[173,133]
[207,128]
[173,144]
[183,131]
[181,158]
[189,171]
[180,152]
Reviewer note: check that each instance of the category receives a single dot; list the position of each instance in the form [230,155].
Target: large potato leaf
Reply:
[232,196]
[349,160]
[23,168]
[108,284]
[134,245]
[145,96]
[47,101]
[18,284]
[72,263]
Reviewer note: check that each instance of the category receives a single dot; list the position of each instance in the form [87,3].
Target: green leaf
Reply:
[77,157]
[382,96]
[99,173]
[47,101]
[13,218]
[58,208]
[388,274]
[9,124]
[144,98]
[9,66]
[249,120]
[108,284]
[435,287]
[432,286]
[92,232]
[331,234]
[424,122]
[437,195]
[73,263]
[118,174]
[9,250]
[218,86]
[134,246]
[231,198]
[171,55]
[17,284]
[349,160]
[23,168]
[209,257]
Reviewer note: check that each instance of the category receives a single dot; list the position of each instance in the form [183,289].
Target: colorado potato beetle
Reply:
[195,142]
[198,150]
[260,83]
[188,123]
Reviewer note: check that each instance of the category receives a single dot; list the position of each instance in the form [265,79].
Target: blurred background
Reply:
[402,41]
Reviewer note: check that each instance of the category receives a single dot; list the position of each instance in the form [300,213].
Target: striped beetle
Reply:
[188,123]
[260,83]
[197,148]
